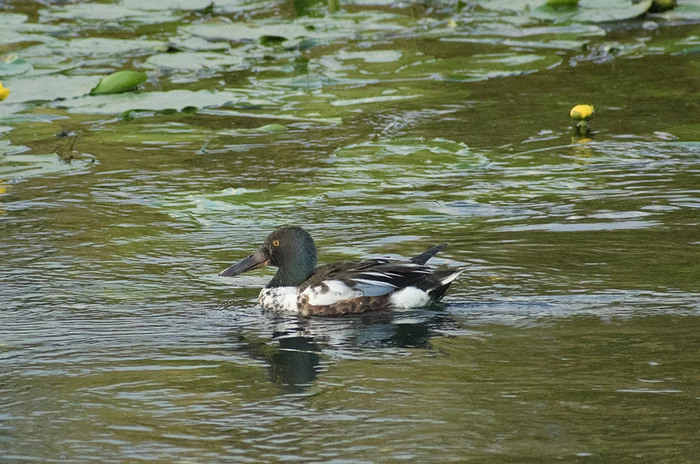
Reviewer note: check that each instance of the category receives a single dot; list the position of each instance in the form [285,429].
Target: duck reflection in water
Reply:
[299,347]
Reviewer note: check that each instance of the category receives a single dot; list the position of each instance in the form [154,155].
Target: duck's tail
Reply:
[427,254]
[444,280]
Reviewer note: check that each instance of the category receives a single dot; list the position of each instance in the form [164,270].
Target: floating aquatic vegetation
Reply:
[102,12]
[120,81]
[50,87]
[175,100]
[594,11]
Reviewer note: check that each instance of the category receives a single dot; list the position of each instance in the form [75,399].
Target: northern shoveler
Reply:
[341,288]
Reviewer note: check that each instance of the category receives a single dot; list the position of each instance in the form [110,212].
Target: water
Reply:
[571,337]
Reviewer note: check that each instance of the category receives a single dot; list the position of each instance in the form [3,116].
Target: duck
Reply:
[337,289]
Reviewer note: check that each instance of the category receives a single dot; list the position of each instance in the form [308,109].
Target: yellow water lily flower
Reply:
[582,112]
[4,92]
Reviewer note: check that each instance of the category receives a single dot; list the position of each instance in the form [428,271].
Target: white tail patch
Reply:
[409,297]
[450,278]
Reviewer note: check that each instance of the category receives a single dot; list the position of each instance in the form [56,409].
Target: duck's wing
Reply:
[371,278]
[379,272]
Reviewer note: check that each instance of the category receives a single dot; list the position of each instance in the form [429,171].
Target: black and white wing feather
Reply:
[331,284]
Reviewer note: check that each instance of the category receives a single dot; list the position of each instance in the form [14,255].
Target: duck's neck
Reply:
[294,273]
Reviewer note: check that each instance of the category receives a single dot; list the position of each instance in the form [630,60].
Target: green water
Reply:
[572,337]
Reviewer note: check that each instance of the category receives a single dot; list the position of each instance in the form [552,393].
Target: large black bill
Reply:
[254,261]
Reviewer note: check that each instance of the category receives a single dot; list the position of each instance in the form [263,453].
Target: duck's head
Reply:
[289,248]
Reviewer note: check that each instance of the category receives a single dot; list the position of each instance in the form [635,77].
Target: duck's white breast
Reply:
[279,298]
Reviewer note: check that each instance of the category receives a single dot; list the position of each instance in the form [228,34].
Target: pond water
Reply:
[389,128]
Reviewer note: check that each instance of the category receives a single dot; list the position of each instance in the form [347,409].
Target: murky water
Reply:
[571,337]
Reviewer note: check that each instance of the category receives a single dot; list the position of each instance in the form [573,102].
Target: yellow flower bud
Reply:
[582,112]
[4,92]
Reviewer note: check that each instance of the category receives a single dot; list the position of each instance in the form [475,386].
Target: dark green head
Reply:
[289,248]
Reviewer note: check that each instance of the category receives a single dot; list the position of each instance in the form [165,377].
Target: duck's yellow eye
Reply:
[275,243]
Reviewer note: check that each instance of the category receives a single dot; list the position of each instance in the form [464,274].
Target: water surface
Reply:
[571,337]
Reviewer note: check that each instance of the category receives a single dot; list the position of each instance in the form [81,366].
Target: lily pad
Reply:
[12,19]
[94,47]
[192,61]
[10,114]
[106,12]
[685,11]
[120,81]
[17,166]
[15,29]
[197,44]
[48,87]
[220,6]
[511,5]
[319,29]
[13,67]
[17,163]
[371,2]
[595,11]
[371,56]
[6,148]
[241,33]
[149,101]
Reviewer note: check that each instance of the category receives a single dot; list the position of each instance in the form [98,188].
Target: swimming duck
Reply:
[340,288]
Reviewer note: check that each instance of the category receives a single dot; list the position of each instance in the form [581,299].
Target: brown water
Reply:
[572,337]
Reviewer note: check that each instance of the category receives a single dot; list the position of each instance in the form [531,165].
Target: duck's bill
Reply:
[254,261]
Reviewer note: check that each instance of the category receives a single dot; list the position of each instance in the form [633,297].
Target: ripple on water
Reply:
[574,326]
